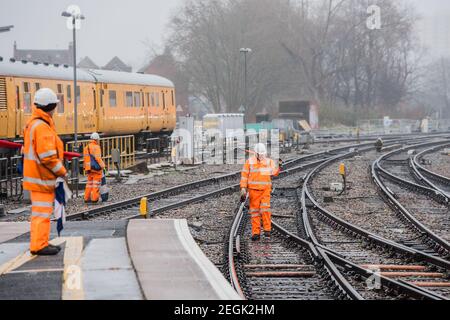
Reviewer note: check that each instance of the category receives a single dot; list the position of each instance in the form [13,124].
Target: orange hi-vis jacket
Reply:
[256,175]
[43,154]
[93,149]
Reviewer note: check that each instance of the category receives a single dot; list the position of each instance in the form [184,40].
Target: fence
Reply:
[126,145]
[158,149]
[10,180]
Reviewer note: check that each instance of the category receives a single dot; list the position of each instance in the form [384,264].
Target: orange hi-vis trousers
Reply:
[92,192]
[41,211]
[260,208]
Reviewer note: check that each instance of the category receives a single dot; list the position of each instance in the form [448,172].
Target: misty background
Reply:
[138,30]
[127,28]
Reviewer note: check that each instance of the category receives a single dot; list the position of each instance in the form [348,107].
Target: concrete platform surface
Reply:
[110,260]
[171,266]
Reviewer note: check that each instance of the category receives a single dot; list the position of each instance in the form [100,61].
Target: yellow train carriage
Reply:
[112,103]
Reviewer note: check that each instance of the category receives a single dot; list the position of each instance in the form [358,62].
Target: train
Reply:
[111,103]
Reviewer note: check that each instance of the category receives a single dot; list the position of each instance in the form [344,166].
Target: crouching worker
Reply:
[93,166]
[43,164]
[379,145]
[256,180]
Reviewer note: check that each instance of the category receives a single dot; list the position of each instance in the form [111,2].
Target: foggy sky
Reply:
[119,27]
[112,27]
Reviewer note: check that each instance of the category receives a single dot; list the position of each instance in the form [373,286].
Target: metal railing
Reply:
[126,145]
[10,179]
[158,149]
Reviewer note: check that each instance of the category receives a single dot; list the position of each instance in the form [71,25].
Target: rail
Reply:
[360,233]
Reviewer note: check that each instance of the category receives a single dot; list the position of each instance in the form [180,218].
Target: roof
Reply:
[42,71]
[50,56]
[117,65]
[87,63]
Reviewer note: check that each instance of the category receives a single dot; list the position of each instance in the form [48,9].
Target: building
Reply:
[65,57]
[117,65]
[166,66]
[45,56]
[87,63]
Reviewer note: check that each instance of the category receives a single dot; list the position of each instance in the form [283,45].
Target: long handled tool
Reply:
[14,146]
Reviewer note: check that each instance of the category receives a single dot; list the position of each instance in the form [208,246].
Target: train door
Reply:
[165,113]
[18,112]
[143,113]
[3,109]
[100,113]
[147,111]
[97,97]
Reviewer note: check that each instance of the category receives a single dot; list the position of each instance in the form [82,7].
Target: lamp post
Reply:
[6,29]
[245,51]
[74,16]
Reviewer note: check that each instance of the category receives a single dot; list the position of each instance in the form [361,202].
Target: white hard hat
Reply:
[45,97]
[95,136]
[260,149]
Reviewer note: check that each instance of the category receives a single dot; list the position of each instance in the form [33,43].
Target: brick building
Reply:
[166,66]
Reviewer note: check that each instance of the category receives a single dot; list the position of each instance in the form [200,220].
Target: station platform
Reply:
[110,260]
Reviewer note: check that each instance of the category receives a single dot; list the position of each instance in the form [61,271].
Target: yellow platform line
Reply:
[23,258]
[16,262]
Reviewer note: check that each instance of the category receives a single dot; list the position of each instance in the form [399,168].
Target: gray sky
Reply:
[120,27]
[112,27]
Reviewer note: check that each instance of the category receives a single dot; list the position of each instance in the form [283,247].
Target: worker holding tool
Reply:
[256,180]
[43,154]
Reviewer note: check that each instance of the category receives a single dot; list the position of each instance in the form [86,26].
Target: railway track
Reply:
[434,180]
[197,191]
[327,253]
[424,209]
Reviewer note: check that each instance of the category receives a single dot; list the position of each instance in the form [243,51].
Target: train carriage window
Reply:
[69,94]
[102,92]
[137,99]
[60,95]
[153,99]
[78,94]
[129,99]
[164,100]
[173,99]
[147,95]
[37,86]
[17,98]
[26,97]
[112,99]
[157,99]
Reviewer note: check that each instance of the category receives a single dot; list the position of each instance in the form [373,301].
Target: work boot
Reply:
[87,201]
[267,234]
[47,251]
[57,247]
[256,237]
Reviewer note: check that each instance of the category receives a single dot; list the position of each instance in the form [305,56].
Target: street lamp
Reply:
[74,16]
[6,29]
[245,51]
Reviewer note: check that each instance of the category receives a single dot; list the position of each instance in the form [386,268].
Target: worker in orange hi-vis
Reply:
[93,166]
[43,154]
[256,179]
